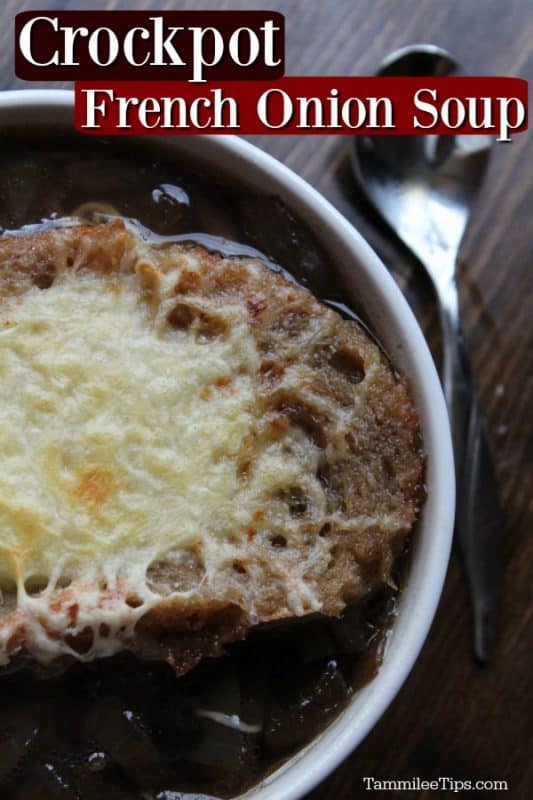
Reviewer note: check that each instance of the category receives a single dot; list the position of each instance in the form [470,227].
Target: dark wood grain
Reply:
[452,718]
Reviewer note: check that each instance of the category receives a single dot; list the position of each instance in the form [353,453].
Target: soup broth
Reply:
[123,728]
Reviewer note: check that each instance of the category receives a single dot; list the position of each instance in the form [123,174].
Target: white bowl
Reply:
[392,320]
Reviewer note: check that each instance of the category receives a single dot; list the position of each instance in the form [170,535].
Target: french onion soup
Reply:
[192,446]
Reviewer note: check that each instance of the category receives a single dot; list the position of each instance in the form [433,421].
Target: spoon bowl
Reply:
[423,186]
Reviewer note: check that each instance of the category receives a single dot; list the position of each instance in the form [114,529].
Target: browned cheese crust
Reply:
[318,373]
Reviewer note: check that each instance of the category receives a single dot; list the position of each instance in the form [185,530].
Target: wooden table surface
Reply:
[452,718]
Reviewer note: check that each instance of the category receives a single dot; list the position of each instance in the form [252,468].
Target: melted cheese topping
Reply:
[125,442]
[118,443]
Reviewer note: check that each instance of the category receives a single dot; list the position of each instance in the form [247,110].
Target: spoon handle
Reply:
[479,521]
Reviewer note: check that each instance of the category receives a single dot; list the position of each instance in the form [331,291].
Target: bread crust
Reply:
[321,379]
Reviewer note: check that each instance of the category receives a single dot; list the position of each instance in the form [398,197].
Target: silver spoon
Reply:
[424,187]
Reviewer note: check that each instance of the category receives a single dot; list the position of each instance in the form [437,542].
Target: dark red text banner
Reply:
[336,105]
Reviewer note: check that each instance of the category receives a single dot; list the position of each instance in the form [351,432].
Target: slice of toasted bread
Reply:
[190,445]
